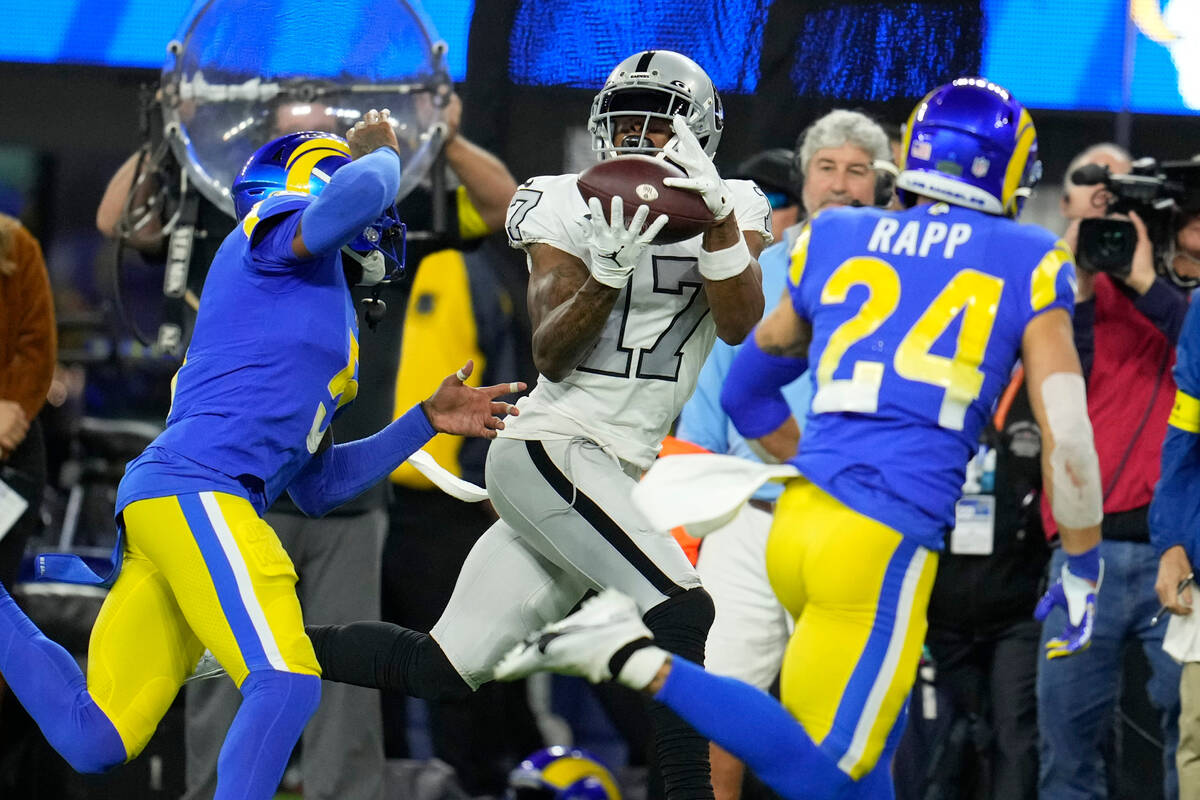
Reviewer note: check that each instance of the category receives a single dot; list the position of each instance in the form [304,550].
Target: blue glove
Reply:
[1075,593]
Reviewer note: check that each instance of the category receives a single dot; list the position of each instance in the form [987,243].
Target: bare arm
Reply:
[782,333]
[737,302]
[489,184]
[1047,348]
[567,308]
[112,205]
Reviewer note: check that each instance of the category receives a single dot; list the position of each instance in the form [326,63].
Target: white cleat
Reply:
[582,644]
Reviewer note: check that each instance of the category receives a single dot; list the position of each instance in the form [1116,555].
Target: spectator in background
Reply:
[343,745]
[1126,328]
[833,163]
[28,349]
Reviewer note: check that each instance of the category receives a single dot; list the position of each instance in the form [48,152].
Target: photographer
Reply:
[1127,321]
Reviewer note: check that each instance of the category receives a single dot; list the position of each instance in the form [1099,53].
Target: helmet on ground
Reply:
[562,773]
[656,84]
[971,144]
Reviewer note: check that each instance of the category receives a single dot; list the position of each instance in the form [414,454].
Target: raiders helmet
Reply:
[656,84]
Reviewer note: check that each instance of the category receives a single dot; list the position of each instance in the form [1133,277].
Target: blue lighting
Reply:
[576,43]
[1063,54]
[134,33]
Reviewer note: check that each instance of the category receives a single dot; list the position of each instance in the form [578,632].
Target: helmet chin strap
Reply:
[374,268]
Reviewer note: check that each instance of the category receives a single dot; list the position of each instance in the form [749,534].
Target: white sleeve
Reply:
[752,209]
[548,210]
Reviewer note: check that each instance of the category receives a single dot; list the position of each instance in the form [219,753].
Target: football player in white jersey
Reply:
[621,328]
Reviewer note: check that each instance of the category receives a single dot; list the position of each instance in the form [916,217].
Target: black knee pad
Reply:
[680,624]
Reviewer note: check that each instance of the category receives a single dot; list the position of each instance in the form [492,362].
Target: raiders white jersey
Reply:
[626,393]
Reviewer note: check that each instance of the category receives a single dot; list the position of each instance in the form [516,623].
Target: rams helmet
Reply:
[299,165]
[972,144]
[562,773]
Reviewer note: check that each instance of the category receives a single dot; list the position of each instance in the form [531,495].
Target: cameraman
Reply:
[1127,322]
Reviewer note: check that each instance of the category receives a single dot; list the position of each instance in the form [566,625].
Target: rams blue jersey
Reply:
[273,356]
[917,319]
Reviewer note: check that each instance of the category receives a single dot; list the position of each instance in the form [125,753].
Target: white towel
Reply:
[1182,641]
[702,491]
[445,480]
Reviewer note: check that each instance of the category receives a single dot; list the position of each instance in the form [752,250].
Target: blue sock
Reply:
[751,725]
[48,682]
[275,708]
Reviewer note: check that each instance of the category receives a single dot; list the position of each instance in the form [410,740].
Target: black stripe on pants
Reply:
[595,516]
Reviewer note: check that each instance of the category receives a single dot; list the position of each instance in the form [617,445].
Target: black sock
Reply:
[680,625]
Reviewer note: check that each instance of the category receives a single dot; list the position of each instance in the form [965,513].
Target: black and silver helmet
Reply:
[657,84]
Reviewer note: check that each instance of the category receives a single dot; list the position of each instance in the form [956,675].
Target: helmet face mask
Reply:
[302,164]
[654,85]
[971,144]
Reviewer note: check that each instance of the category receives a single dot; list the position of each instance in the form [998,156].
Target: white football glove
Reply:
[616,249]
[702,176]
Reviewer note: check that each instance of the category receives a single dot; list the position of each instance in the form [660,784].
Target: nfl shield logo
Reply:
[921,150]
[980,166]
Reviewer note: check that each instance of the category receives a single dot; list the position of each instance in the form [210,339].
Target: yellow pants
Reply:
[200,570]
[858,592]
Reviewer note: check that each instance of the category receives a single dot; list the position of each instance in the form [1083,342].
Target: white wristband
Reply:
[722,264]
[642,667]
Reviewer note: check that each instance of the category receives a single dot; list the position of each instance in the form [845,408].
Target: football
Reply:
[639,181]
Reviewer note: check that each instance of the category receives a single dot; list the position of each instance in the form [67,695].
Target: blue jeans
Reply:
[1078,694]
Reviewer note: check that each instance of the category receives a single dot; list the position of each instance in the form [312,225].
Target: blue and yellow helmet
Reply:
[298,162]
[971,144]
[301,164]
[562,773]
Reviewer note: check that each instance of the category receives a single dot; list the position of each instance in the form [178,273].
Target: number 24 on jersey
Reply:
[974,295]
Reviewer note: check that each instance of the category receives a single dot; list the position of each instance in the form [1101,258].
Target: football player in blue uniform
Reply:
[1175,533]
[913,321]
[273,357]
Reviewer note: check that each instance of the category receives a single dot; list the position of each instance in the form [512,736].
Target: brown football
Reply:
[639,181]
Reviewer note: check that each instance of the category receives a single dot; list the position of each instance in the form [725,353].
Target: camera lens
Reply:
[1107,245]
